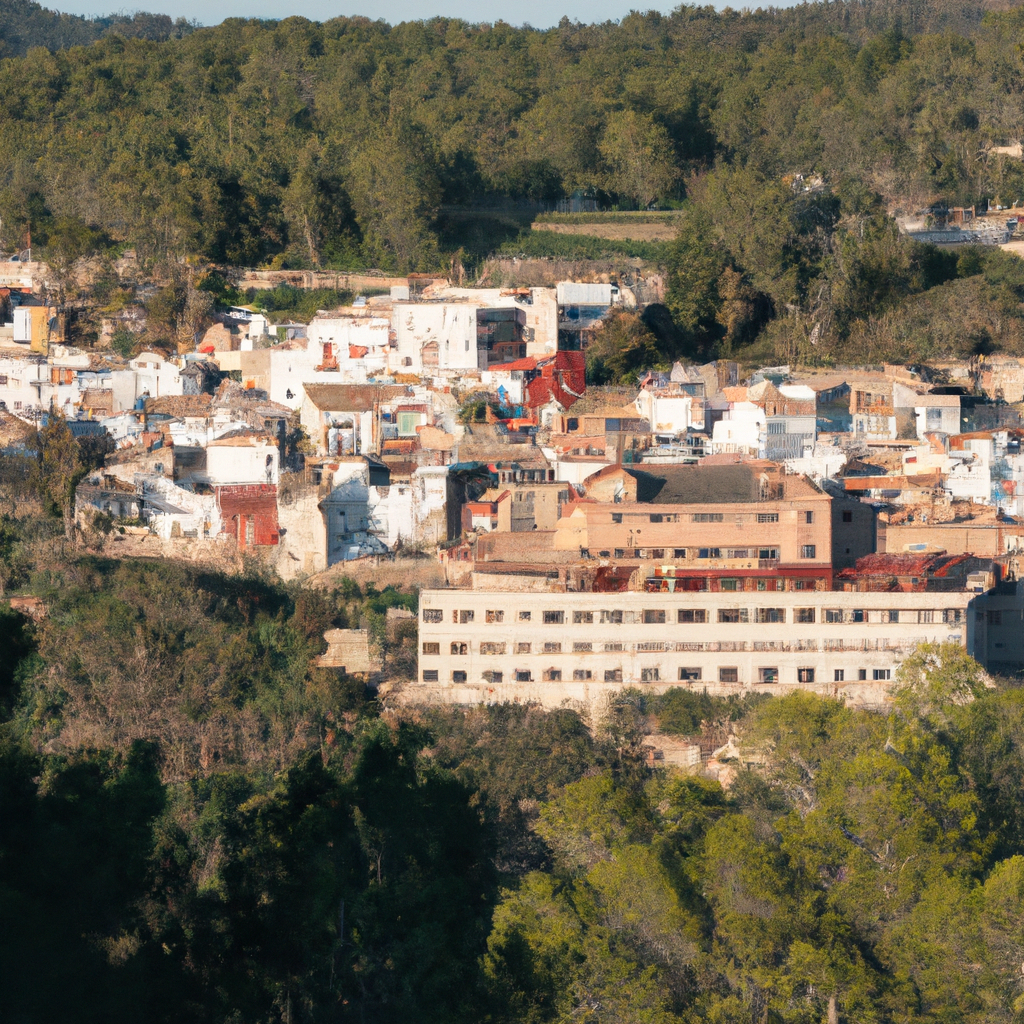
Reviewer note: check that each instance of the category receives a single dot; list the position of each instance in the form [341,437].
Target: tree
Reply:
[59,469]
[639,154]
[623,345]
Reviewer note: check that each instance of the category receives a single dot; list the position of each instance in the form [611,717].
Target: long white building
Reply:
[482,646]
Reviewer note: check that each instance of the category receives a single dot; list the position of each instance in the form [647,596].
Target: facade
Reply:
[791,422]
[435,337]
[872,410]
[759,517]
[550,647]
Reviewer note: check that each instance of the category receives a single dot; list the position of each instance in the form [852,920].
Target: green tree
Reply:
[639,154]
[59,470]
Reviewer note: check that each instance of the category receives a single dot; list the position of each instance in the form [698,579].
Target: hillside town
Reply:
[757,531]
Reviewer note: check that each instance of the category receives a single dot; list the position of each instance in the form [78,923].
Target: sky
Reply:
[539,13]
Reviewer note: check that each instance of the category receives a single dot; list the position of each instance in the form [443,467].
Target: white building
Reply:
[670,411]
[742,429]
[532,644]
[363,515]
[248,459]
[539,304]
[434,337]
[155,377]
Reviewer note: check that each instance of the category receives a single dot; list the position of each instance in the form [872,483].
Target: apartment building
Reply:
[555,646]
[715,518]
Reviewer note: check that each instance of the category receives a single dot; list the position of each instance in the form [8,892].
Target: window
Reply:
[679,552]
[552,647]
[491,676]
[925,615]
[995,617]
[613,647]
[729,675]
[466,615]
[492,647]
[522,648]
[460,648]
[613,675]
[804,614]
[614,617]
[838,675]
[739,552]
[803,584]
[552,675]
[578,617]
[808,517]
[689,615]
[856,615]
[458,677]
[690,674]
[430,675]
[805,675]
[894,615]
[582,674]
[768,675]
[658,553]
[616,517]
[847,517]
[733,615]
[767,517]
[862,674]
[833,615]
[582,647]
[431,648]
[728,584]
[953,616]
[554,618]
[709,553]
[524,676]
[655,518]
[771,615]
[524,616]
[654,616]
[881,673]
[495,616]
[707,517]
[807,551]
[767,552]
[650,675]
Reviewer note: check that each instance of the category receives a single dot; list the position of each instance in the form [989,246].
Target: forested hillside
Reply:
[199,825]
[356,144]
[24,24]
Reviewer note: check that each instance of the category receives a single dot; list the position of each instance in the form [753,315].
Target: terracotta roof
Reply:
[517,364]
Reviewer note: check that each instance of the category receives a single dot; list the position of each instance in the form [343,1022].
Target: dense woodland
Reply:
[201,825]
[422,145]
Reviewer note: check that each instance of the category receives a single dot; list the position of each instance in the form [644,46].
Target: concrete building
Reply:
[872,411]
[551,647]
[712,518]
[434,337]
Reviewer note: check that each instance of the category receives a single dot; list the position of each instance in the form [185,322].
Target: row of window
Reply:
[726,674]
[659,616]
[711,517]
[500,648]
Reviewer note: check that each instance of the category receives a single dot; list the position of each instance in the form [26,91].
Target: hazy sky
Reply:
[539,13]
